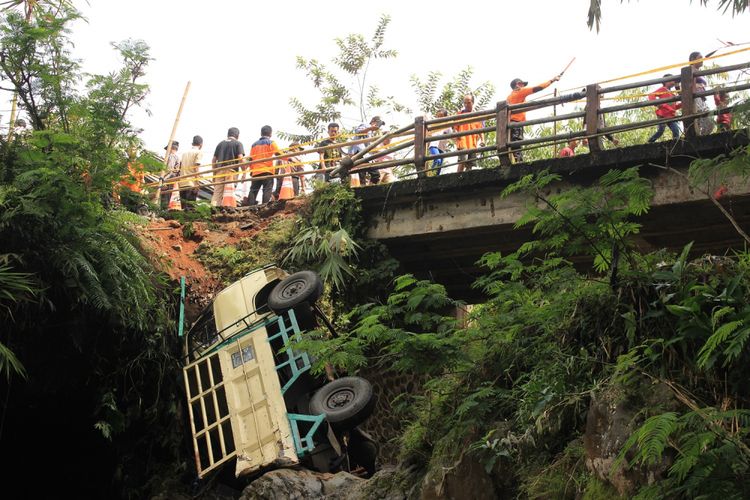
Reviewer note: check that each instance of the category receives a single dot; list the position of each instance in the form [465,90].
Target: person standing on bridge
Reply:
[173,170]
[362,131]
[665,110]
[331,156]
[438,146]
[189,163]
[520,91]
[704,125]
[724,118]
[262,149]
[467,160]
[570,149]
[227,152]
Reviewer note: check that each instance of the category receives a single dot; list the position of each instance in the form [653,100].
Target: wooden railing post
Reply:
[501,132]
[688,101]
[420,133]
[592,119]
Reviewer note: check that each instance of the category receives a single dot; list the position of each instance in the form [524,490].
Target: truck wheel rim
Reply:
[293,289]
[340,398]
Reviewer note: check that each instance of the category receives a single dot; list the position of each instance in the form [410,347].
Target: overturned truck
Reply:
[252,399]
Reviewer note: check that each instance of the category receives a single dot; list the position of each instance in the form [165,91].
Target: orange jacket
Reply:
[261,149]
[467,141]
[519,95]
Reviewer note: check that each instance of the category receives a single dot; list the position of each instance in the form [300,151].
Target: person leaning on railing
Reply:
[330,157]
[519,93]
[468,142]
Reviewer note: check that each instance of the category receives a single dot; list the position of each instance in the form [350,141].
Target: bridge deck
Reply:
[439,226]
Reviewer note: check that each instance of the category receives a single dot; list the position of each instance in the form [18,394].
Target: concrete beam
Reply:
[439,227]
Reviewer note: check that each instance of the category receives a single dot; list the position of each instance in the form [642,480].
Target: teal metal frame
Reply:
[304,444]
[291,333]
[180,330]
[288,333]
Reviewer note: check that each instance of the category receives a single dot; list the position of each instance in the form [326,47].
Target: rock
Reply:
[198,235]
[290,484]
[174,223]
[389,483]
[177,248]
[466,479]
[610,421]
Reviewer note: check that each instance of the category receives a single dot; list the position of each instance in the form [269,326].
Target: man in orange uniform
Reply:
[261,149]
[518,95]
[468,160]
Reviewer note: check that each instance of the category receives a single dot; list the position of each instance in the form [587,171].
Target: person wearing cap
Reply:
[520,91]
[361,132]
[227,152]
[263,149]
[189,163]
[173,170]
[471,141]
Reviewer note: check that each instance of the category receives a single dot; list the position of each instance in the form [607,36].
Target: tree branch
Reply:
[710,197]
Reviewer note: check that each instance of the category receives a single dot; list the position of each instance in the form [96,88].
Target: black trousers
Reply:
[256,185]
[188,195]
[516,134]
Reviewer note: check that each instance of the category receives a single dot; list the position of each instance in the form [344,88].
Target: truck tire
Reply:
[346,402]
[304,286]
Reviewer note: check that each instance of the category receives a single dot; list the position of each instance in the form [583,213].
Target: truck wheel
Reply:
[304,286]
[346,402]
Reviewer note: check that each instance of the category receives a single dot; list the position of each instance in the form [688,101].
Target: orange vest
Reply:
[261,149]
[467,141]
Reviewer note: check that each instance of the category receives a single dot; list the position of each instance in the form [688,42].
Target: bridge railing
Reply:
[418,135]
[593,116]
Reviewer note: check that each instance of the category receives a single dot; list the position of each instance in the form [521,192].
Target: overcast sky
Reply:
[240,55]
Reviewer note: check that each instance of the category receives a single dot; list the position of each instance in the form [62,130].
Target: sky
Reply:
[240,56]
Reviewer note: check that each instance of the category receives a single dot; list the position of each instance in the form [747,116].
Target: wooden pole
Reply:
[688,101]
[593,103]
[501,132]
[176,121]
[171,137]
[420,131]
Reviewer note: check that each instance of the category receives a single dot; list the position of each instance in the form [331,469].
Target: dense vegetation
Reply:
[661,334]
[88,357]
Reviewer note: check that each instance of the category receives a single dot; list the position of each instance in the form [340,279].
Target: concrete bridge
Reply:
[439,226]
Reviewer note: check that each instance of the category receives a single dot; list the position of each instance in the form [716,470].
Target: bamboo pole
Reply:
[171,137]
[176,122]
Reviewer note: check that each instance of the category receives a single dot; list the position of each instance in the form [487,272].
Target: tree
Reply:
[89,315]
[737,6]
[45,7]
[353,59]
[451,95]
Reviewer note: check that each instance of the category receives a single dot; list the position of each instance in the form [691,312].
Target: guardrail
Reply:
[417,135]
[593,116]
